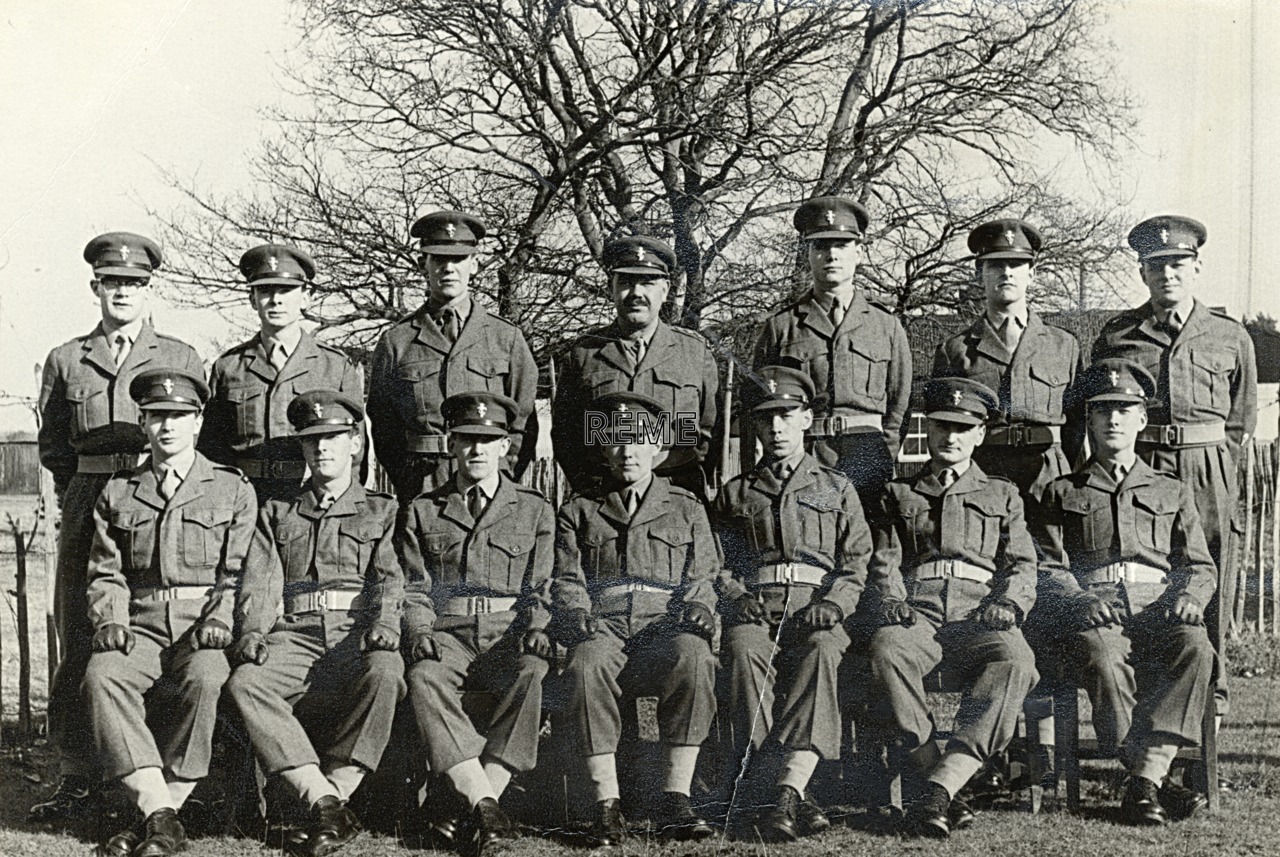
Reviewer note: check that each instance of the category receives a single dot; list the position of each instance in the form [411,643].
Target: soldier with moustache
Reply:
[450,345]
[638,352]
[952,577]
[634,595]
[246,424]
[318,616]
[90,429]
[1205,407]
[1125,581]
[853,349]
[170,538]
[795,545]
[478,554]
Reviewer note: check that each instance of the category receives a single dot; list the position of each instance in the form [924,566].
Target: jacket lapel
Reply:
[96,350]
[813,317]
[300,361]
[428,333]
[193,487]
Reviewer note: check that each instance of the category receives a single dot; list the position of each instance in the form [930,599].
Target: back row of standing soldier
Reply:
[853,351]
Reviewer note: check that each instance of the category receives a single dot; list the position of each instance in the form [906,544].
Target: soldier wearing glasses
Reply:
[89,429]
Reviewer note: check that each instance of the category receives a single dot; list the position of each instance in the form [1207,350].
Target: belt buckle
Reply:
[276,469]
[1016,435]
[789,569]
[1175,435]
[837,427]
[478,605]
[123,460]
[165,593]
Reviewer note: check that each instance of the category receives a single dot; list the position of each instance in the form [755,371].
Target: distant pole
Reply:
[1080,289]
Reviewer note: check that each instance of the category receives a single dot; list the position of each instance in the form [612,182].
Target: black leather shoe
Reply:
[163,835]
[71,799]
[120,845]
[489,824]
[931,815]
[1141,804]
[1180,802]
[810,818]
[675,819]
[609,828]
[961,815]
[333,825]
[778,822]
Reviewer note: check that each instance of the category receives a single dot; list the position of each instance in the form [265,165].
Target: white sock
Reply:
[499,776]
[346,779]
[180,790]
[679,760]
[148,789]
[469,779]
[954,770]
[798,769]
[1154,762]
[602,770]
[310,784]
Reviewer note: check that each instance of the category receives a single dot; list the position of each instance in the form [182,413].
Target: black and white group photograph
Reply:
[515,428]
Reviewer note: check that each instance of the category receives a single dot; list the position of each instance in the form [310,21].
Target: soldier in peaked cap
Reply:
[1124,583]
[1205,406]
[319,619]
[246,424]
[450,345]
[795,545]
[89,430]
[952,576]
[854,349]
[638,352]
[478,555]
[169,541]
[634,598]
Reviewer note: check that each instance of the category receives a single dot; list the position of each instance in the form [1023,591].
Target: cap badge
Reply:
[773,386]
[273,263]
[956,397]
[168,386]
[1164,236]
[1114,377]
[482,409]
[830,217]
[318,410]
[623,407]
[1010,237]
[124,252]
[450,230]
[639,254]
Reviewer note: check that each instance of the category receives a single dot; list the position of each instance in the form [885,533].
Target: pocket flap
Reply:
[1214,360]
[513,543]
[487,365]
[1078,503]
[672,537]
[1156,504]
[361,531]
[208,517]
[1052,375]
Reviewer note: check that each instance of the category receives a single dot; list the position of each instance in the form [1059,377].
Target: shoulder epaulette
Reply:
[683,492]
[1221,312]
[880,305]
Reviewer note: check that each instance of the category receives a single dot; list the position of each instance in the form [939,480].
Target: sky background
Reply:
[97,104]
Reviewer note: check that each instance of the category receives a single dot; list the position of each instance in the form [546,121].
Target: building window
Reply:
[914,447]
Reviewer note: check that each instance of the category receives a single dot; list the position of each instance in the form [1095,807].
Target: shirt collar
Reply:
[638,488]
[844,296]
[488,486]
[334,490]
[958,469]
[180,464]
[461,305]
[288,339]
[997,317]
[130,331]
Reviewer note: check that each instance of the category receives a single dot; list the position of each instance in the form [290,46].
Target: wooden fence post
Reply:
[24,629]
[1275,537]
[1238,609]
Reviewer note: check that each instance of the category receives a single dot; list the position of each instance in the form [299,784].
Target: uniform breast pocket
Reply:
[670,548]
[134,535]
[489,371]
[811,354]
[441,555]
[600,383]
[1086,524]
[1048,383]
[819,519]
[249,404]
[203,534]
[357,543]
[508,559]
[416,386]
[1211,378]
[294,547]
[983,520]
[676,388]
[90,407]
[870,367]
[1153,516]
[758,525]
[915,525]
[600,556]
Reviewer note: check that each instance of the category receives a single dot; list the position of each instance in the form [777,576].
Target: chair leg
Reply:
[1034,772]
[1209,753]
[1066,711]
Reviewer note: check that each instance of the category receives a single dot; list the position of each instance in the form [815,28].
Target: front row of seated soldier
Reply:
[473,584]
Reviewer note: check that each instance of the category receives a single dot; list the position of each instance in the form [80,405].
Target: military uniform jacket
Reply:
[979,520]
[678,371]
[199,538]
[667,544]
[415,369]
[85,408]
[814,518]
[297,547]
[1206,374]
[864,367]
[245,415]
[1090,522]
[1035,383]
[448,554]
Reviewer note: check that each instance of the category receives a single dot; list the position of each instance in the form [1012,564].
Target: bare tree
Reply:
[563,122]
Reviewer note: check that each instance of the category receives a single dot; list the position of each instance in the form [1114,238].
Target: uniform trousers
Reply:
[639,659]
[321,686]
[1164,665]
[162,676]
[997,669]
[69,727]
[482,697]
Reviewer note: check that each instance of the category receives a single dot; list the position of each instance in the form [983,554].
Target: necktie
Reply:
[637,350]
[837,313]
[476,502]
[782,470]
[947,477]
[1172,323]
[326,502]
[169,482]
[449,323]
[120,348]
[633,503]
[278,357]
[1010,332]
[1118,472]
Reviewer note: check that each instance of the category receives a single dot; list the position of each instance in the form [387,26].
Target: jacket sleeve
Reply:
[419,609]
[711,422]
[1242,420]
[884,567]
[898,392]
[569,583]
[699,586]
[54,435]
[262,580]
[219,427]
[854,544]
[108,591]
[1073,409]
[385,576]
[351,383]
[388,431]
[222,600]
[732,545]
[1054,577]
[537,587]
[765,352]
[1192,568]
[566,422]
[1015,581]
[524,390]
